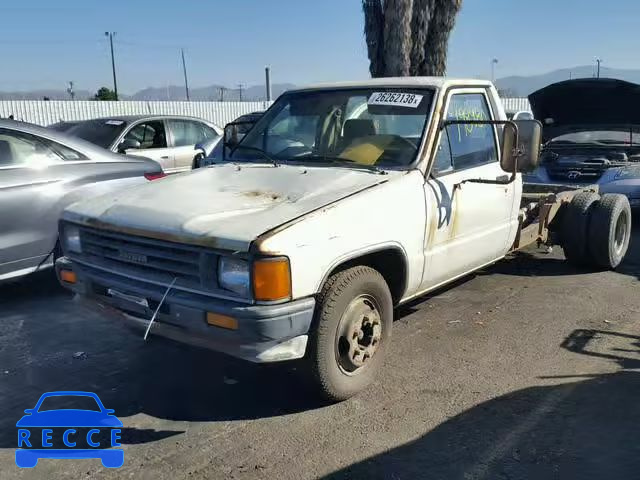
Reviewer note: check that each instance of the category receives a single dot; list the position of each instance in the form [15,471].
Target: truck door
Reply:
[470,223]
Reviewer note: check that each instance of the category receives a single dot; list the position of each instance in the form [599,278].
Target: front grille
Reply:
[585,172]
[157,261]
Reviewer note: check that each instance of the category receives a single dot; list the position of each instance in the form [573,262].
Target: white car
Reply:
[167,139]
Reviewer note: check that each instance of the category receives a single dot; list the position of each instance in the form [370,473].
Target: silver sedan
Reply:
[41,172]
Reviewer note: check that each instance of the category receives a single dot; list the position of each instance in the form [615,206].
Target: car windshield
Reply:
[66,402]
[379,127]
[607,137]
[101,132]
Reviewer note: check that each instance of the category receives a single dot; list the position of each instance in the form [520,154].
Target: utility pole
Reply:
[184,70]
[598,61]
[113,63]
[70,91]
[494,62]
[267,81]
[222,90]
[240,87]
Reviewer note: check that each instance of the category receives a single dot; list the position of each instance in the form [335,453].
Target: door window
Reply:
[23,149]
[465,146]
[149,134]
[186,132]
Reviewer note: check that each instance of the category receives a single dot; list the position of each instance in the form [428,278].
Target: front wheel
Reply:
[352,328]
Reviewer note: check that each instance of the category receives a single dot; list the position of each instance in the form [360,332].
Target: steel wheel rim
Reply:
[359,334]
[620,233]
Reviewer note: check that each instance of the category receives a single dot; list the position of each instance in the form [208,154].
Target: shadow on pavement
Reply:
[533,263]
[580,430]
[49,342]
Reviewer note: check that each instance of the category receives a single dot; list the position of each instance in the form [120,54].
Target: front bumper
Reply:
[265,333]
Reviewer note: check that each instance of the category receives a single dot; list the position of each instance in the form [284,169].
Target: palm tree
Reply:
[408,37]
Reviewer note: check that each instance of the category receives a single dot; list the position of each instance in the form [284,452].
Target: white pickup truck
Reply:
[343,202]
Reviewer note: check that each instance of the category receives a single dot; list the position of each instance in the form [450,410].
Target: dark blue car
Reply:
[97,419]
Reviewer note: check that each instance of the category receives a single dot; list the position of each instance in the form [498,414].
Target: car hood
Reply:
[586,104]
[69,418]
[223,206]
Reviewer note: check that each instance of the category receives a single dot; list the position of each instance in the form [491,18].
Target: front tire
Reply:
[352,328]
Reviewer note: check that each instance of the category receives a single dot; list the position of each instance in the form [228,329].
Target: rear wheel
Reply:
[575,228]
[351,330]
[610,230]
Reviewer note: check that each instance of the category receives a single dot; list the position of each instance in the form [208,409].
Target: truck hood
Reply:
[223,206]
[586,104]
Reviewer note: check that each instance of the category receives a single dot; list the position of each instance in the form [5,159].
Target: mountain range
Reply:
[521,86]
[170,92]
[512,86]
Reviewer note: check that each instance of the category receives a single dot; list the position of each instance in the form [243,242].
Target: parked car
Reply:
[62,126]
[211,150]
[41,172]
[167,139]
[591,135]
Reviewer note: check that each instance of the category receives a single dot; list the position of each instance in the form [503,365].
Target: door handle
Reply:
[165,157]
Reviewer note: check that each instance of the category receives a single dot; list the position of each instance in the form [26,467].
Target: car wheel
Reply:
[352,328]
[610,230]
[575,228]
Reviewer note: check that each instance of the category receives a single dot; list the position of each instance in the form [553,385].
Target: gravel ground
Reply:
[527,370]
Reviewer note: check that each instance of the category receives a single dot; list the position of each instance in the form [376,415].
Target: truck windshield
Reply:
[380,127]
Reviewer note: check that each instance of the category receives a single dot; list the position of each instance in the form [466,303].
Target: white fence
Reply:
[220,113]
[513,105]
[47,112]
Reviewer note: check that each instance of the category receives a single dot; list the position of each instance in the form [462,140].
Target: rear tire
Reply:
[575,228]
[352,328]
[610,230]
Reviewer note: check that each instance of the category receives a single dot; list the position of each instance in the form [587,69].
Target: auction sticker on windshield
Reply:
[396,99]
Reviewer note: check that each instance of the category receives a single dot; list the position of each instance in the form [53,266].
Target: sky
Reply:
[46,43]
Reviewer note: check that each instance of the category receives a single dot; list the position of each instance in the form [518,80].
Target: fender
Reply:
[363,252]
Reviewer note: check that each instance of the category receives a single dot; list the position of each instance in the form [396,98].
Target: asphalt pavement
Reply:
[529,369]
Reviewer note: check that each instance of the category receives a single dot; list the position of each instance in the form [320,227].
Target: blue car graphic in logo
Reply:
[76,428]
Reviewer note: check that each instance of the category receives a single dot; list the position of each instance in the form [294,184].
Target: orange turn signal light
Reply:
[68,276]
[222,321]
[271,279]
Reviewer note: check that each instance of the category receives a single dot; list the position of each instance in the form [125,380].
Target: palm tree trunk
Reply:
[442,22]
[422,13]
[373,33]
[397,37]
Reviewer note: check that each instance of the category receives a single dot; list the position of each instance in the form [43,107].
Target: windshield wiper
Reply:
[339,161]
[264,154]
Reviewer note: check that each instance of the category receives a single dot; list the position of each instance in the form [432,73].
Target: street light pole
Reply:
[184,70]
[113,63]
[494,62]
[598,61]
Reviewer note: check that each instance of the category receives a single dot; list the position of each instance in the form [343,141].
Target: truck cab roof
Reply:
[433,82]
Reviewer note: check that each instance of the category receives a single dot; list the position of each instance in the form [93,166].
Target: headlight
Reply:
[72,239]
[233,274]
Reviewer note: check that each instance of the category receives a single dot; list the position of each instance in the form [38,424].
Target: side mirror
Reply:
[128,144]
[520,148]
[230,138]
